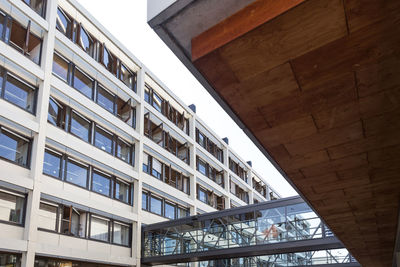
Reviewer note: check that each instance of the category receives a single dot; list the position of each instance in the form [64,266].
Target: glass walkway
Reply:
[284,232]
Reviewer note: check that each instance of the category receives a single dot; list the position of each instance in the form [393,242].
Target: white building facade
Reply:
[93,145]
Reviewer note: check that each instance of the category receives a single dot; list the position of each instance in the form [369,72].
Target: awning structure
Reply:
[316,85]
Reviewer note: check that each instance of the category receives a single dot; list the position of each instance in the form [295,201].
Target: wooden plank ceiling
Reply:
[319,87]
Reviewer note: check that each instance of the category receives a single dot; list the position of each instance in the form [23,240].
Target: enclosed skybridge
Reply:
[284,232]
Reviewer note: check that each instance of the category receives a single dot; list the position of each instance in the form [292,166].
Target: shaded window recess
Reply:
[165,140]
[210,198]
[207,170]
[20,37]
[163,207]
[166,173]
[165,108]
[209,145]
[239,192]
[259,186]
[77,33]
[66,118]
[39,6]
[56,164]
[91,88]
[239,171]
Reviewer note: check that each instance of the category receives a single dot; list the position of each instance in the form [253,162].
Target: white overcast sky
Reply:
[127,21]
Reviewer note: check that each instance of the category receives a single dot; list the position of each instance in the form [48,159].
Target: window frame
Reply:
[103,174]
[56,226]
[29,150]
[20,195]
[61,156]
[113,138]
[109,233]
[73,77]
[72,111]
[80,164]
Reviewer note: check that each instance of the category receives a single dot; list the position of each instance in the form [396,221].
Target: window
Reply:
[83,83]
[124,110]
[20,93]
[201,166]
[86,41]
[169,210]
[202,195]
[56,114]
[101,183]
[123,151]
[157,101]
[127,77]
[147,94]
[77,173]
[71,221]
[47,216]
[37,5]
[156,205]
[182,212]
[10,259]
[146,167]
[52,163]
[60,67]
[144,201]
[122,191]
[80,127]
[64,23]
[121,234]
[14,147]
[99,228]
[103,139]
[105,99]
[23,40]
[108,60]
[201,139]
[11,207]
[156,169]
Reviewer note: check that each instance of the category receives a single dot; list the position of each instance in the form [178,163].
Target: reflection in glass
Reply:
[103,140]
[83,83]
[121,234]
[105,99]
[156,205]
[47,216]
[11,208]
[76,173]
[99,228]
[101,184]
[51,164]
[80,127]
[19,93]
[14,147]
[122,191]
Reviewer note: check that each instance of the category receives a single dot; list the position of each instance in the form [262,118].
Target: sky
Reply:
[127,21]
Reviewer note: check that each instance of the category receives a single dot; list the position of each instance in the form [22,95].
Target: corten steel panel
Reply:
[319,88]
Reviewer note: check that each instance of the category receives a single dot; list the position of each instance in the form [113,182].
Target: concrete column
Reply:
[32,209]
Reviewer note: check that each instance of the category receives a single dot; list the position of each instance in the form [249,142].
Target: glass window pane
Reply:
[157,168]
[99,229]
[19,93]
[83,83]
[147,94]
[86,42]
[60,67]
[37,6]
[202,195]
[201,167]
[124,109]
[122,191]
[144,201]
[2,20]
[80,127]
[56,114]
[105,99]
[155,205]
[107,59]
[121,234]
[103,140]
[13,148]
[127,77]
[169,211]
[51,164]
[101,183]
[64,23]
[76,173]
[157,100]
[47,216]
[11,208]
[123,151]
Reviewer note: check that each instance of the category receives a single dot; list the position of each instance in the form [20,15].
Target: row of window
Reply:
[98,51]
[165,140]
[206,169]
[17,91]
[210,198]
[39,6]
[68,169]
[70,220]
[163,207]
[239,171]
[53,262]
[165,173]
[71,121]
[78,79]
[239,192]
[19,37]
[163,106]
[15,147]
[209,145]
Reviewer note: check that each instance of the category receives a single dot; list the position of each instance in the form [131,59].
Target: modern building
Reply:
[93,145]
[315,85]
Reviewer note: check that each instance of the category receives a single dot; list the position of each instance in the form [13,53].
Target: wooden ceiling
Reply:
[317,82]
